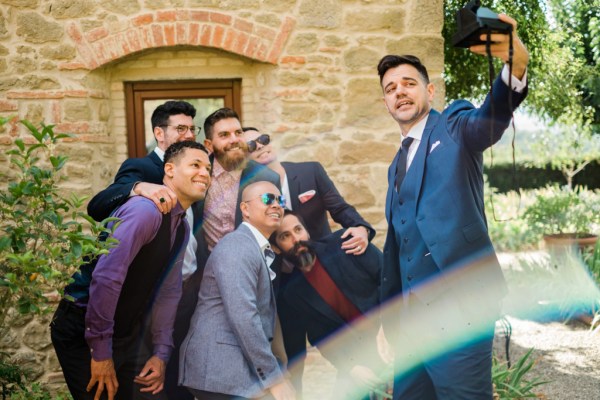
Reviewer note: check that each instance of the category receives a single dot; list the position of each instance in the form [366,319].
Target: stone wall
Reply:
[307,69]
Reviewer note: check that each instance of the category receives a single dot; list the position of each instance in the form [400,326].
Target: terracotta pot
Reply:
[570,239]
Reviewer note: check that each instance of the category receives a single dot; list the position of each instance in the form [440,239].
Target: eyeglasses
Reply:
[269,198]
[263,139]
[182,129]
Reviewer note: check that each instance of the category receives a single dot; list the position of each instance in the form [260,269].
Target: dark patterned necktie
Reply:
[269,253]
[401,166]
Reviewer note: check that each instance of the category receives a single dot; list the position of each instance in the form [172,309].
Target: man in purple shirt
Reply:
[98,329]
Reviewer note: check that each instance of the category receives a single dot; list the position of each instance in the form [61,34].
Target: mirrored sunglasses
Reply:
[269,198]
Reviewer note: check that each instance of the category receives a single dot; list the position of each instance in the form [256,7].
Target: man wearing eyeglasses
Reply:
[172,122]
[227,352]
[311,194]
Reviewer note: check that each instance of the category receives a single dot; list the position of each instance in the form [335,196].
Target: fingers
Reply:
[358,242]
[507,19]
[163,197]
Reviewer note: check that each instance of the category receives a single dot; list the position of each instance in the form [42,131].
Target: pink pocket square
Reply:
[306,196]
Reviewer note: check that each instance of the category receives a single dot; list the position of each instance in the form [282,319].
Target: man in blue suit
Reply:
[437,227]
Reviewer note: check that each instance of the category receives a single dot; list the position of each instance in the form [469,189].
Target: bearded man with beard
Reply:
[330,290]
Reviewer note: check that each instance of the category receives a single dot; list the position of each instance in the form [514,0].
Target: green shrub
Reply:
[510,382]
[561,210]
[43,240]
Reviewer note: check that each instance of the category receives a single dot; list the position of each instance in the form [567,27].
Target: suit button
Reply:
[405,240]
[409,278]
[403,221]
[401,203]
[409,258]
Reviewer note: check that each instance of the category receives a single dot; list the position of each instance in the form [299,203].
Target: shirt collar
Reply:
[218,170]
[178,210]
[262,241]
[416,132]
[160,153]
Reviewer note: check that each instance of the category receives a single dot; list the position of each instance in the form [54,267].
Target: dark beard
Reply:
[228,162]
[301,258]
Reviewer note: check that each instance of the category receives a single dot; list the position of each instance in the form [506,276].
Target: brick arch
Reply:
[182,27]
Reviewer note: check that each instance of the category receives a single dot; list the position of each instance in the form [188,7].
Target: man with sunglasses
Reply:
[311,194]
[227,352]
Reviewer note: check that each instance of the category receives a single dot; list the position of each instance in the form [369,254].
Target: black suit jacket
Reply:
[356,276]
[306,176]
[145,169]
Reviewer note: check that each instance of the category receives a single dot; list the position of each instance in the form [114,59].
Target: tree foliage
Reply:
[563,38]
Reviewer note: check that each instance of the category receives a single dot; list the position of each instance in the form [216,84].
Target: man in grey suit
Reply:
[227,352]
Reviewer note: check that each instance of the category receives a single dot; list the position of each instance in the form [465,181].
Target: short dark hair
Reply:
[212,119]
[392,61]
[161,114]
[249,128]
[175,150]
[286,212]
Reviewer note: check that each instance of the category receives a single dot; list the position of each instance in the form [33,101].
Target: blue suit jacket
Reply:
[449,207]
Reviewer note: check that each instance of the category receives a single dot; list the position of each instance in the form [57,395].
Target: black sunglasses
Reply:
[269,198]
[263,139]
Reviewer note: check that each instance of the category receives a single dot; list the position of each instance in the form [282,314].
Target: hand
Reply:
[152,375]
[365,376]
[103,373]
[283,391]
[359,241]
[500,46]
[156,193]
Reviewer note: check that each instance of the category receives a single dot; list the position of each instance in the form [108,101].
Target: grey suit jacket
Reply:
[227,349]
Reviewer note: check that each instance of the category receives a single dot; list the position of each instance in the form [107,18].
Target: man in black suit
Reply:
[172,122]
[310,192]
[220,208]
[330,290]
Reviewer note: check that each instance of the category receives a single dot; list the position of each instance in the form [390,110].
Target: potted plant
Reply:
[564,216]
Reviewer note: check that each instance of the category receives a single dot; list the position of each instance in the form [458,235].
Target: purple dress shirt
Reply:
[140,222]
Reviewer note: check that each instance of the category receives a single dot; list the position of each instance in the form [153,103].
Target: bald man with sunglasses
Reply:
[227,352]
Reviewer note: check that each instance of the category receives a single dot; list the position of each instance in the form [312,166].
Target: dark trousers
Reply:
[129,356]
[463,370]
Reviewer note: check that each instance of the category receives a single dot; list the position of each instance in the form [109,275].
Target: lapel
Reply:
[246,231]
[391,183]
[293,179]
[418,162]
[305,292]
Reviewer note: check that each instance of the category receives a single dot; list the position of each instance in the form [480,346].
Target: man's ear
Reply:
[244,209]
[159,134]
[208,145]
[169,169]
